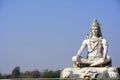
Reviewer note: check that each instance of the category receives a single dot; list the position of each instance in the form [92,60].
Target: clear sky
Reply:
[45,34]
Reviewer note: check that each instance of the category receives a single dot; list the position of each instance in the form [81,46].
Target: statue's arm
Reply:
[105,48]
[84,44]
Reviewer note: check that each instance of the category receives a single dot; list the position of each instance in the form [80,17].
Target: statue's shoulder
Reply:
[86,41]
[104,41]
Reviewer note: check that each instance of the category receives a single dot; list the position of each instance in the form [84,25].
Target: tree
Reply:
[16,72]
[57,74]
[50,74]
[1,76]
[31,74]
[35,74]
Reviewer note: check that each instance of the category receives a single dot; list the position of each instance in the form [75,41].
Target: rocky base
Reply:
[91,72]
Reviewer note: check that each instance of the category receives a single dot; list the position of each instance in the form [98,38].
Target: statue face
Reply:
[94,30]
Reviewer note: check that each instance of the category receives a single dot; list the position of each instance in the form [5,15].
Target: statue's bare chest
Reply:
[94,45]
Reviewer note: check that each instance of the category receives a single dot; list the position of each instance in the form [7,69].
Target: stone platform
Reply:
[90,72]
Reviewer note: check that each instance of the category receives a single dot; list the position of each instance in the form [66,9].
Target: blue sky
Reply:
[45,34]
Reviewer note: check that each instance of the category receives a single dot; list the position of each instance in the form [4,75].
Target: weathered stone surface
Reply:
[90,72]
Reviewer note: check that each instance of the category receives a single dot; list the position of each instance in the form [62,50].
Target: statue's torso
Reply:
[95,48]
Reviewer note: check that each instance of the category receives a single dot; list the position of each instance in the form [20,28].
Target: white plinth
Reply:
[90,72]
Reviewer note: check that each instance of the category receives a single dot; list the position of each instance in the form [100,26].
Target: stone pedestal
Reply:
[90,72]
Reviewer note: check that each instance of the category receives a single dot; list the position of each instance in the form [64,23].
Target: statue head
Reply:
[95,26]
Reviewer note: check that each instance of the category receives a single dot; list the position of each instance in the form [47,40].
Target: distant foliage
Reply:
[16,72]
[31,74]
[0,76]
[50,74]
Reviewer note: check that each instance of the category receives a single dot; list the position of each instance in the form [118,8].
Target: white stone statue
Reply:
[97,49]
[98,62]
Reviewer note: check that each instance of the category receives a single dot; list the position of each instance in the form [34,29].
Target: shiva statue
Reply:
[97,48]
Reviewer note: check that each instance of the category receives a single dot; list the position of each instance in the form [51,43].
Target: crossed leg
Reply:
[97,62]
